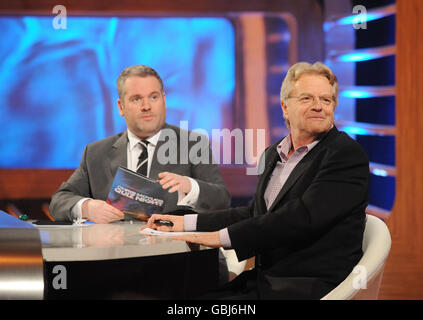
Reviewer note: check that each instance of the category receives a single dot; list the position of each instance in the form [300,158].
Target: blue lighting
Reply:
[357,94]
[357,56]
[59,92]
[359,18]
[380,172]
[355,130]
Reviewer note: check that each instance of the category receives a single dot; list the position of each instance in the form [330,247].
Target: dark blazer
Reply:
[94,176]
[310,238]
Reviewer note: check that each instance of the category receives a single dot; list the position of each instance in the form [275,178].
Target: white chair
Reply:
[363,283]
[234,266]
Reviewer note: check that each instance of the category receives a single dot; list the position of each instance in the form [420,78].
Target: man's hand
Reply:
[178,223]
[209,239]
[100,211]
[175,181]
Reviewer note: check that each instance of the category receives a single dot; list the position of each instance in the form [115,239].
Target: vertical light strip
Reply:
[255,73]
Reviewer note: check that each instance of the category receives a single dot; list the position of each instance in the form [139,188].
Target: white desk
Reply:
[95,242]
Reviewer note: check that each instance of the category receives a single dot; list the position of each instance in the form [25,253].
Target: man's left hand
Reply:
[209,239]
[175,182]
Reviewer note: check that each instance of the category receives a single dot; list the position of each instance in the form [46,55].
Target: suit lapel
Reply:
[298,171]
[302,166]
[118,154]
[156,167]
[271,158]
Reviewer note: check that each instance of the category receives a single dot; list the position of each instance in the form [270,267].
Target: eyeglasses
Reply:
[309,99]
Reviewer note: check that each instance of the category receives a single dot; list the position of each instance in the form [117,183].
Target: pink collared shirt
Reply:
[284,168]
[279,176]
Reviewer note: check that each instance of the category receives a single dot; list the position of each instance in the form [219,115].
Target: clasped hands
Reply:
[209,239]
[100,211]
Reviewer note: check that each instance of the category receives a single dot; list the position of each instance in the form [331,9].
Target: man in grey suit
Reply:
[142,102]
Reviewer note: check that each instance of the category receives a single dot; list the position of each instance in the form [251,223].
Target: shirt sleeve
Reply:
[224,239]
[190,222]
[191,198]
[77,211]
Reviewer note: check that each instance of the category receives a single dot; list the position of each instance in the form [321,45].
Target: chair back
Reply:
[363,283]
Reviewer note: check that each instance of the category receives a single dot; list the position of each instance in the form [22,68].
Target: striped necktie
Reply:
[143,158]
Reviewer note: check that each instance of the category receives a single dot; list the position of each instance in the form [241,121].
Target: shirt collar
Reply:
[285,145]
[133,140]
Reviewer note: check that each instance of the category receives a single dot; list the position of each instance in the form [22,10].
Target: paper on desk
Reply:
[152,232]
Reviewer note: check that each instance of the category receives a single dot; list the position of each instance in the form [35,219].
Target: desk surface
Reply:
[101,261]
[117,240]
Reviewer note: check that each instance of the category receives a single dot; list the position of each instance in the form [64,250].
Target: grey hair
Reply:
[136,71]
[304,68]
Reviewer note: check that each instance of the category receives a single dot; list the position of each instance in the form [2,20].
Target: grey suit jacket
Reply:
[94,176]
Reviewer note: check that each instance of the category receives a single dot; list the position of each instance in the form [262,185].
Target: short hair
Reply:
[139,70]
[302,68]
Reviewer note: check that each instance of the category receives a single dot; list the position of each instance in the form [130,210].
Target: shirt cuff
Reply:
[76,211]
[190,222]
[224,239]
[191,198]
